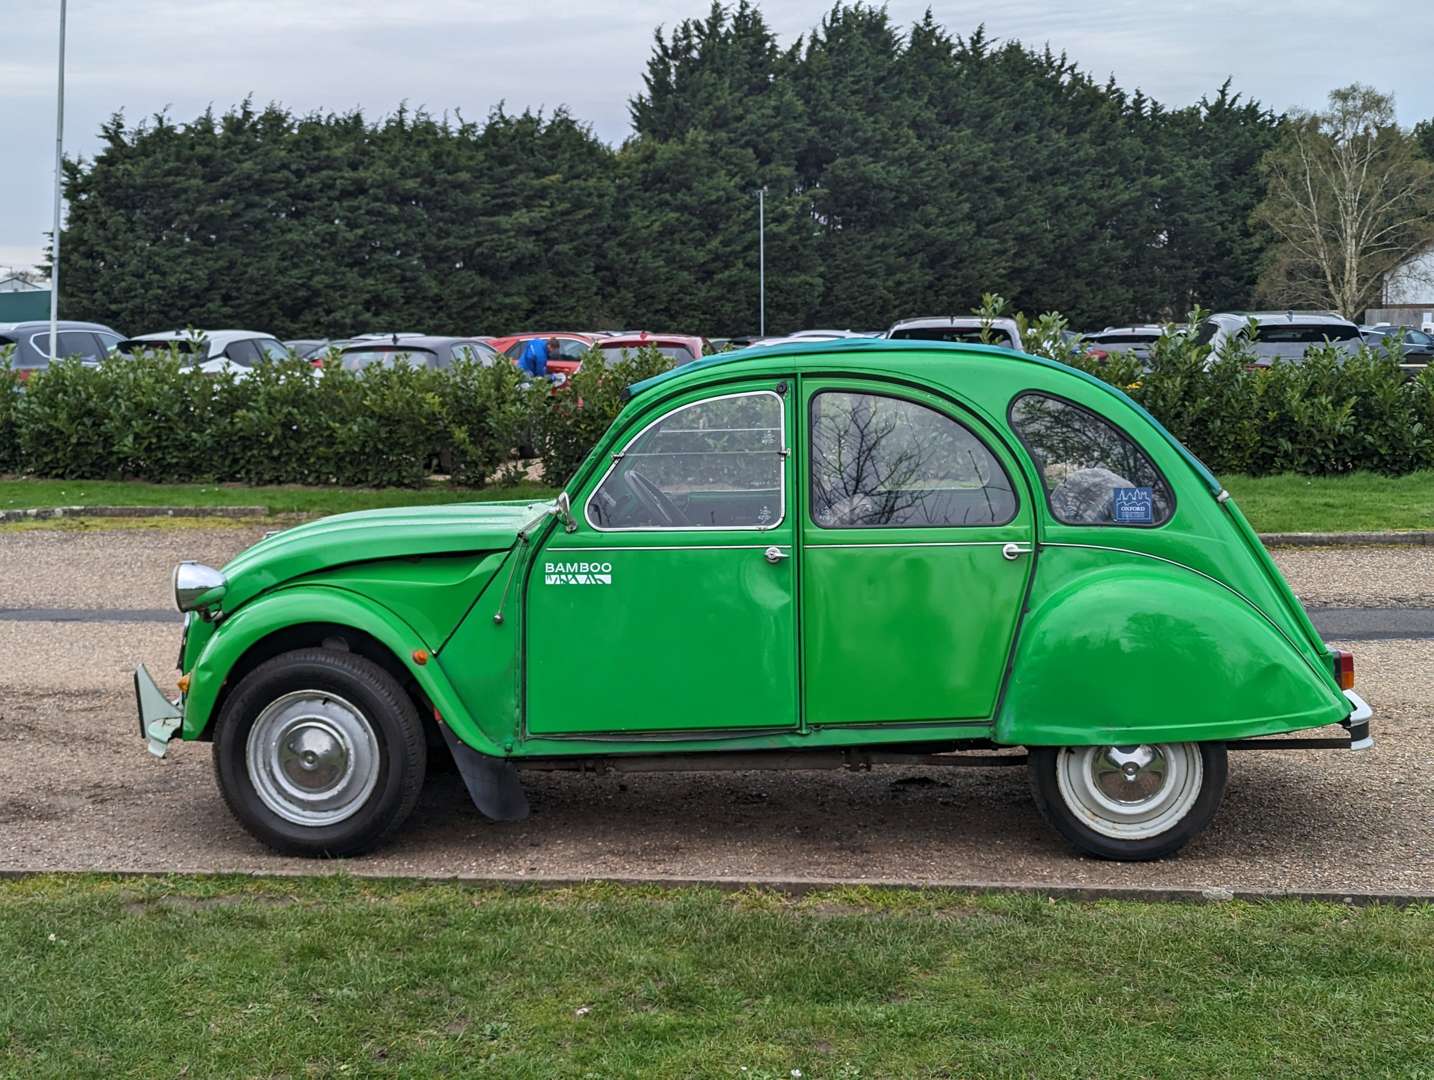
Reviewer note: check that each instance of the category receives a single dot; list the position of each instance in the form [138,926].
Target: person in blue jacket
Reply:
[536,354]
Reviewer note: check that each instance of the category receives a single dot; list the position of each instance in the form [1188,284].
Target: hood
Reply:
[401,532]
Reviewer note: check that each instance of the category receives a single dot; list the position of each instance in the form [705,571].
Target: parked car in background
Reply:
[1279,335]
[679,348]
[963,328]
[572,347]
[833,554]
[425,351]
[315,348]
[1135,340]
[1417,345]
[91,342]
[214,351]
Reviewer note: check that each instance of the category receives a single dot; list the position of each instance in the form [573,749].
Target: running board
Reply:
[750,761]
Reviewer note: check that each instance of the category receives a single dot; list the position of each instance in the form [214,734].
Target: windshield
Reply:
[358,359]
[182,345]
[1123,339]
[968,334]
[1305,334]
[611,354]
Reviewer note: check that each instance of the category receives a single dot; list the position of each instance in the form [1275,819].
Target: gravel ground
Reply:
[77,789]
[1360,576]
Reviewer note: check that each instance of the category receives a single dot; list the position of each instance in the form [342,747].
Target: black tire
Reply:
[1046,764]
[390,716]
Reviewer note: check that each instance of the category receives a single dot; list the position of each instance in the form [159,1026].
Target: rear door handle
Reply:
[774,554]
[1015,551]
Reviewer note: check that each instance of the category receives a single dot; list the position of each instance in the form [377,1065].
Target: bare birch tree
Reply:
[1350,199]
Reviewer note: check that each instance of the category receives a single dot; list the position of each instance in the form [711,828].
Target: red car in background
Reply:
[572,347]
[679,348]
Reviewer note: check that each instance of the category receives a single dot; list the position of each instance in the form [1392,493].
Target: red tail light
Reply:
[317,361]
[1098,354]
[1344,669]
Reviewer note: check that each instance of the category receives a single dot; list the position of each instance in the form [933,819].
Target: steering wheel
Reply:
[652,499]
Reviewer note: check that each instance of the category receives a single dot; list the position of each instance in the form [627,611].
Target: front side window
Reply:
[1093,473]
[880,461]
[713,464]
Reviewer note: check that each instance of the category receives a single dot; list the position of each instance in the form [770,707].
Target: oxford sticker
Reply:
[577,573]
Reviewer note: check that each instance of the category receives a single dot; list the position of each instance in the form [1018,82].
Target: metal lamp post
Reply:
[59,158]
[762,261]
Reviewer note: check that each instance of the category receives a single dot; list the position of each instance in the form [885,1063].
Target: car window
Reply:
[108,340]
[244,353]
[1304,333]
[966,334]
[572,350]
[271,349]
[612,354]
[474,352]
[79,343]
[386,356]
[714,464]
[879,461]
[1093,473]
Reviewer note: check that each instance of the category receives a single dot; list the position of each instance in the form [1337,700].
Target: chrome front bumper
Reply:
[1358,722]
[159,718]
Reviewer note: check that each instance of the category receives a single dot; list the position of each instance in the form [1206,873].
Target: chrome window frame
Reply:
[781,452]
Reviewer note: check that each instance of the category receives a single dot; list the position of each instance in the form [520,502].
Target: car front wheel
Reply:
[320,752]
[1129,803]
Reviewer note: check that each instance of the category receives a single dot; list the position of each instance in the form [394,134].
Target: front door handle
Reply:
[774,554]
[1015,551]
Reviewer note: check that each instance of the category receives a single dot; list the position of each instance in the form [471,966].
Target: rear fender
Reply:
[1155,652]
[300,605]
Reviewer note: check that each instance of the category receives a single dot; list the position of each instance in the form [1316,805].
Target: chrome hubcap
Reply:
[313,758]
[1130,792]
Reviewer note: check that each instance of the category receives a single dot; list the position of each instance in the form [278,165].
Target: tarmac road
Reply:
[78,791]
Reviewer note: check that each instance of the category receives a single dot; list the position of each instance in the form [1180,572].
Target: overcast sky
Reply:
[140,56]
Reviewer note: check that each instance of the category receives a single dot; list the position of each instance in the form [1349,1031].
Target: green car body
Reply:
[533,633]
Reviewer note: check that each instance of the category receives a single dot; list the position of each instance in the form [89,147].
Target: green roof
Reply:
[884,345]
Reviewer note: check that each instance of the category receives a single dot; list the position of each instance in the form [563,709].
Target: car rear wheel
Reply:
[1129,803]
[320,752]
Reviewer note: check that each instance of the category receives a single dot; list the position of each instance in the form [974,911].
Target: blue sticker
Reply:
[1133,506]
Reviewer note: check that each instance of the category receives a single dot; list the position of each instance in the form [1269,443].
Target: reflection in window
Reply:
[1087,465]
[714,464]
[882,461]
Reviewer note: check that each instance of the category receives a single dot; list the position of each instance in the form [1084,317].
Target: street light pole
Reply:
[59,159]
[761,260]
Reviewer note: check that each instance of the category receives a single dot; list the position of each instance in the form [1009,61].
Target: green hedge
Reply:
[151,418]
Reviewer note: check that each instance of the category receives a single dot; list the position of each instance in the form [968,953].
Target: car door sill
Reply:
[675,735]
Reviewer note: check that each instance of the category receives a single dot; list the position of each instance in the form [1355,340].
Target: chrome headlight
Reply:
[197,586]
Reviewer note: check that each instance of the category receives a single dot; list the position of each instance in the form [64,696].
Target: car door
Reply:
[672,607]
[916,547]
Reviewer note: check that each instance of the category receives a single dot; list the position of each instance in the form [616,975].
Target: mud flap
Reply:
[492,782]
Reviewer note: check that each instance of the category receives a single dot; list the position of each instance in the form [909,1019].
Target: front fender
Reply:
[316,603]
[1122,653]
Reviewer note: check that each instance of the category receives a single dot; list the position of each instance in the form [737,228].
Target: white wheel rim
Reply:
[312,757]
[1130,792]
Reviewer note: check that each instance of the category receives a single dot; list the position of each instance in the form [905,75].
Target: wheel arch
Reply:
[317,615]
[1142,650]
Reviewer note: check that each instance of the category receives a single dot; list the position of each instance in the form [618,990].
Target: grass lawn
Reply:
[18,494]
[340,977]
[1358,502]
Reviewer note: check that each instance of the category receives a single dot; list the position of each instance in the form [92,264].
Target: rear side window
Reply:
[1093,472]
[879,461]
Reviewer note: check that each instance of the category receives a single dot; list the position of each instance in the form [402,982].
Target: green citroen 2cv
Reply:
[834,554]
